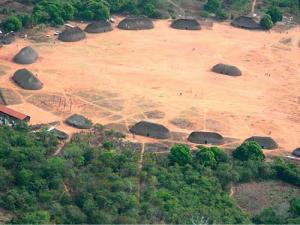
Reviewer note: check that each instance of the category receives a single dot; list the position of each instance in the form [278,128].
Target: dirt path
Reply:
[140,167]
[181,10]
[61,146]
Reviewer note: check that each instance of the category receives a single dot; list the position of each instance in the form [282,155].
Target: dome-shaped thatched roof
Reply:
[227,70]
[149,129]
[136,23]
[264,142]
[79,121]
[186,24]
[72,35]
[296,152]
[7,39]
[201,137]
[60,134]
[246,22]
[98,27]
[25,79]
[27,55]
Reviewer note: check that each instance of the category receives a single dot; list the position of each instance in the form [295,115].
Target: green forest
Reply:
[94,180]
[57,12]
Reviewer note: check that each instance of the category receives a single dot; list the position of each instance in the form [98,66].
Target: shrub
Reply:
[108,145]
[249,150]
[180,154]
[212,6]
[268,216]
[275,14]
[295,206]
[266,22]
[12,23]
[221,15]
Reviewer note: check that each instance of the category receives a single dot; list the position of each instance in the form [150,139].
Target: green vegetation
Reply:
[249,151]
[266,22]
[94,180]
[275,14]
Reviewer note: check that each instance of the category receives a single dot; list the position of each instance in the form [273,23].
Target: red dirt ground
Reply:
[118,76]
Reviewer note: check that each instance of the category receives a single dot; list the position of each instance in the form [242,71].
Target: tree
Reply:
[275,13]
[180,154]
[206,157]
[249,150]
[12,23]
[212,6]
[266,22]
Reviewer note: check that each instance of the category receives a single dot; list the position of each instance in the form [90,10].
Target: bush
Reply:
[221,15]
[12,23]
[295,206]
[275,14]
[108,145]
[268,216]
[266,22]
[249,150]
[180,154]
[212,6]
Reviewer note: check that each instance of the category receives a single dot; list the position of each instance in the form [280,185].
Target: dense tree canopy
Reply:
[95,181]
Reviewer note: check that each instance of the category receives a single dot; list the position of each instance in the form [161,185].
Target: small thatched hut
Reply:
[227,70]
[98,27]
[7,39]
[136,23]
[246,22]
[79,122]
[27,55]
[72,35]
[149,129]
[264,142]
[202,137]
[186,24]
[296,152]
[60,134]
[25,79]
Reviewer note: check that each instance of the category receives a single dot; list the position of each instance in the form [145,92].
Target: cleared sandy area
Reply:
[123,76]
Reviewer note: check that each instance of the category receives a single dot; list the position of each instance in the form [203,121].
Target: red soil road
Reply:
[148,69]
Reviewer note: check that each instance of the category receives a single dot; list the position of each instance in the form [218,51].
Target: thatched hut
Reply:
[246,22]
[227,70]
[27,55]
[296,152]
[98,27]
[7,39]
[264,142]
[79,122]
[186,24]
[25,79]
[203,137]
[149,129]
[60,134]
[72,34]
[136,23]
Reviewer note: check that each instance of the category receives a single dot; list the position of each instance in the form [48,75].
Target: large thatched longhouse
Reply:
[149,129]
[202,137]
[72,35]
[25,79]
[98,27]
[226,69]
[186,24]
[27,55]
[136,23]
